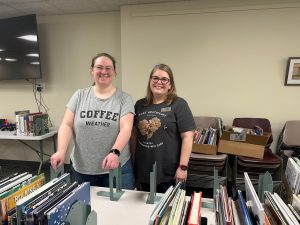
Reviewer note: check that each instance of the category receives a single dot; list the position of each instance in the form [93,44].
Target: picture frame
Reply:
[293,71]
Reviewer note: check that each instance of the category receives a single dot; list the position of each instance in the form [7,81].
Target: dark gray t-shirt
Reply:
[158,138]
[96,127]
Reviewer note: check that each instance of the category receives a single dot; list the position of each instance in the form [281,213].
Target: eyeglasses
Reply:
[164,80]
[106,68]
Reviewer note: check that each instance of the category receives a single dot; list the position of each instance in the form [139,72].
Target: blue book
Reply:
[244,210]
[61,211]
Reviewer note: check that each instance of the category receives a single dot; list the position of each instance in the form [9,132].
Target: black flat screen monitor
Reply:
[19,48]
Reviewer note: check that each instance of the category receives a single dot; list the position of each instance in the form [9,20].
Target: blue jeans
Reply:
[102,180]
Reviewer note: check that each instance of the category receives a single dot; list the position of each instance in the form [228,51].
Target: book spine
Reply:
[18,125]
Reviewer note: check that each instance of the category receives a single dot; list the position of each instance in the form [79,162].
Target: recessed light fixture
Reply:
[33,54]
[29,37]
[10,59]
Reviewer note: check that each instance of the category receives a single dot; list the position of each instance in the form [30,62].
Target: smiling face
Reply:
[160,84]
[103,71]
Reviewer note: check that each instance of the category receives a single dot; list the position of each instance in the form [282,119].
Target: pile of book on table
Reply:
[250,210]
[31,124]
[175,208]
[26,200]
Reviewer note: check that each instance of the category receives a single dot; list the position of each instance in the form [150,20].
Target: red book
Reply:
[195,214]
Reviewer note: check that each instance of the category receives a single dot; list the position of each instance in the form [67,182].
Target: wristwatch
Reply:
[115,151]
[183,167]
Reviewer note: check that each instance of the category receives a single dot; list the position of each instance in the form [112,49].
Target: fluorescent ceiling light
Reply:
[35,63]
[2,50]
[10,59]
[29,37]
[33,54]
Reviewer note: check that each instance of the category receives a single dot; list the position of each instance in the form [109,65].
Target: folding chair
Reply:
[254,167]
[201,166]
[288,143]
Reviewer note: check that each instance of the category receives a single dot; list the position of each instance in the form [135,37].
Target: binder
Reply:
[61,210]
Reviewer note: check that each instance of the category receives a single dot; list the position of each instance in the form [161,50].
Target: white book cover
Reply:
[296,202]
[292,173]
[253,201]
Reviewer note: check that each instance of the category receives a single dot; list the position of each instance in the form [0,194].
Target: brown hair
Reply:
[171,96]
[105,55]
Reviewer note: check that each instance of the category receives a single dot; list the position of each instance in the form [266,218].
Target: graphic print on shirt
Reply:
[151,127]
[99,114]
[148,128]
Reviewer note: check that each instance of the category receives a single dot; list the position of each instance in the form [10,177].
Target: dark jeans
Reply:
[160,188]
[102,180]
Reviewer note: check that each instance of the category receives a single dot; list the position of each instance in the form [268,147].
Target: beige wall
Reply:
[228,62]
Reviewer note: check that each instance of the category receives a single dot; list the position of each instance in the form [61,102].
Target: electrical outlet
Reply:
[40,87]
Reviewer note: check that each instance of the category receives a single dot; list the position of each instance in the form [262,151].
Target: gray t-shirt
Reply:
[96,127]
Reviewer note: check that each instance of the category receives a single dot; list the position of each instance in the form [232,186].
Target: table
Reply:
[10,135]
[131,208]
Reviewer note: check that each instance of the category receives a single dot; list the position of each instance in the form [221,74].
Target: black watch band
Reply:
[115,151]
[183,167]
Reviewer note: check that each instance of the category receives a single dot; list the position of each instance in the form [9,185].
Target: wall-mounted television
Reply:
[19,48]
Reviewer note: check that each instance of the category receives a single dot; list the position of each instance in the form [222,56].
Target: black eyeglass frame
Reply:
[164,80]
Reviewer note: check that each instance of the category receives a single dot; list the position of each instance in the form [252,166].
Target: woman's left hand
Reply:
[110,162]
[180,175]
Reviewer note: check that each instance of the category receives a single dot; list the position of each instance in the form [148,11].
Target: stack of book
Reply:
[31,124]
[206,136]
[14,188]
[27,200]
[249,210]
[175,208]
[277,212]
[292,173]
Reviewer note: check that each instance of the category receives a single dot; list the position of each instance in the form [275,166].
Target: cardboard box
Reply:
[205,149]
[243,144]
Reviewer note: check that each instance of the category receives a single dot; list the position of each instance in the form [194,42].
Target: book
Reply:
[60,212]
[179,208]
[40,123]
[236,214]
[273,211]
[154,215]
[9,202]
[244,210]
[195,210]
[292,174]
[295,213]
[185,212]
[22,203]
[296,203]
[21,122]
[226,215]
[165,217]
[256,206]
[174,206]
[284,210]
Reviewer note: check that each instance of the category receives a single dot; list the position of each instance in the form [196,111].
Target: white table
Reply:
[131,208]
[10,135]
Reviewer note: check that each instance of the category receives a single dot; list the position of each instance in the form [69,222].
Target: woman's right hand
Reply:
[57,159]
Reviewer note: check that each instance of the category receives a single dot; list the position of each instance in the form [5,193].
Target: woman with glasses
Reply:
[164,128]
[100,119]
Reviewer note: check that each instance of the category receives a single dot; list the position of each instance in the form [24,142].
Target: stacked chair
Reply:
[254,167]
[201,166]
[288,144]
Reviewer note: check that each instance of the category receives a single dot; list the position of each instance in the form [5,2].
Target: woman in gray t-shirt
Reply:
[100,120]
